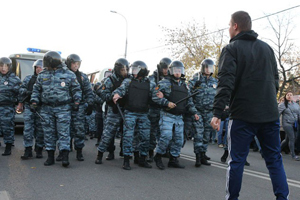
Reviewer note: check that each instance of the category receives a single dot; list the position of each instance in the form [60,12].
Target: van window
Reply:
[22,68]
[107,74]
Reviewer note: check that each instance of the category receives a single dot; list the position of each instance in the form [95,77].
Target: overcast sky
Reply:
[89,29]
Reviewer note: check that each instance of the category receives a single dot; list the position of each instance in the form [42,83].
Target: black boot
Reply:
[27,153]
[65,158]
[99,158]
[167,154]
[173,162]
[206,157]
[59,157]
[79,155]
[203,160]
[150,156]
[224,156]
[110,156]
[198,160]
[39,152]
[136,157]
[7,150]
[158,161]
[126,164]
[143,162]
[50,159]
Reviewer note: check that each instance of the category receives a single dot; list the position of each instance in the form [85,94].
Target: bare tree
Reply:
[286,52]
[193,43]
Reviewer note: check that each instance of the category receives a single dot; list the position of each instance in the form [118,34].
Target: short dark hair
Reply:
[243,20]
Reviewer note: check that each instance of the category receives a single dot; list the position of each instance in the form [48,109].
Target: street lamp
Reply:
[126,30]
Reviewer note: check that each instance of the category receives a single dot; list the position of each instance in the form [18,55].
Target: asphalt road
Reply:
[31,180]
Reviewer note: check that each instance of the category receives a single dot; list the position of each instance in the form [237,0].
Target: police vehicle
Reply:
[99,75]
[22,67]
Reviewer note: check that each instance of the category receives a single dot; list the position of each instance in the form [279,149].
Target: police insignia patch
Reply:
[157,87]
[103,87]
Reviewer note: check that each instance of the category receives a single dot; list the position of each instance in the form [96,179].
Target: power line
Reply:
[219,29]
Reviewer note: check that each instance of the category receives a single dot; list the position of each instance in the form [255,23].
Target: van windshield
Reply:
[22,68]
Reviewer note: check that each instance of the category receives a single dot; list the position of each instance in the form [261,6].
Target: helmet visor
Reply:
[135,70]
[176,70]
[208,69]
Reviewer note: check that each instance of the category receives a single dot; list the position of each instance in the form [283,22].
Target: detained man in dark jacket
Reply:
[248,82]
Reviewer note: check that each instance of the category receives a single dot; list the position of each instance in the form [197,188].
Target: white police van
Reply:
[99,75]
[22,67]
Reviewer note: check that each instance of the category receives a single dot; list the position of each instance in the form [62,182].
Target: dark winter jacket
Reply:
[248,80]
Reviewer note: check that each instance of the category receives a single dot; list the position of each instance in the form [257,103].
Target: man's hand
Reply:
[197,117]
[171,105]
[159,94]
[19,108]
[215,123]
[33,107]
[116,97]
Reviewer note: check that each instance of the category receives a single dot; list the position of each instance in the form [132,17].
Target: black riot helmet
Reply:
[5,61]
[72,58]
[207,66]
[163,64]
[176,67]
[139,68]
[120,64]
[52,59]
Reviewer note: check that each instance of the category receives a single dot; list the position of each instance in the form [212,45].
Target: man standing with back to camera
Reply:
[248,82]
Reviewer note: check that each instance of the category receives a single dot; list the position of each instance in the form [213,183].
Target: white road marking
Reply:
[252,173]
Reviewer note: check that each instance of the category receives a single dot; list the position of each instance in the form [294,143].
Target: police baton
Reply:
[185,98]
[121,113]
[40,117]
[181,100]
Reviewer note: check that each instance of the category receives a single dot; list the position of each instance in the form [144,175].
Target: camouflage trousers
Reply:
[112,123]
[78,126]
[140,123]
[56,126]
[32,128]
[154,116]
[7,123]
[203,130]
[91,121]
[171,134]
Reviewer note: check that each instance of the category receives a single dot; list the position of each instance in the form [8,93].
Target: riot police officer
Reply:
[171,116]
[56,88]
[154,111]
[206,85]
[9,89]
[86,106]
[113,117]
[139,91]
[32,122]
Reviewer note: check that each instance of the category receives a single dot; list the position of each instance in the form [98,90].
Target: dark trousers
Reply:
[240,135]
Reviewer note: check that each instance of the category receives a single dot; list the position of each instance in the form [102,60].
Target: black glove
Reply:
[89,109]
[75,107]
[33,108]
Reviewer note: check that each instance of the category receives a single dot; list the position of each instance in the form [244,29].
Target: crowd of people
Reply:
[149,111]
[155,113]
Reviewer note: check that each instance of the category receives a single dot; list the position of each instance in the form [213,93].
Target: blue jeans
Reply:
[221,139]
